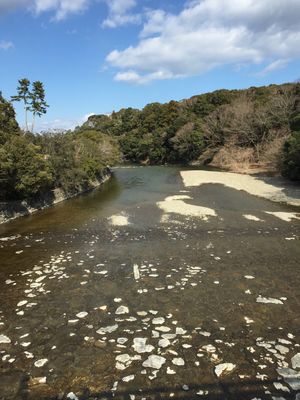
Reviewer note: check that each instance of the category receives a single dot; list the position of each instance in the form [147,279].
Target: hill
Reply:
[257,128]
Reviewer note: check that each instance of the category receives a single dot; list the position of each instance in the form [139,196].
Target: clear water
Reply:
[199,282]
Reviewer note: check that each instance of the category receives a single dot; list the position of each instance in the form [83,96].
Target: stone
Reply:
[268,300]
[128,378]
[154,362]
[164,343]
[122,310]
[4,339]
[72,396]
[139,345]
[224,368]
[40,363]
[107,329]
[291,377]
[82,314]
[178,361]
[296,361]
[158,321]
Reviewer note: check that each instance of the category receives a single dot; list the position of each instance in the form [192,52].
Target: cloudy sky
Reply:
[95,56]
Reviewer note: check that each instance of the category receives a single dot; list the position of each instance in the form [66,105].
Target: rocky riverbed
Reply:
[160,285]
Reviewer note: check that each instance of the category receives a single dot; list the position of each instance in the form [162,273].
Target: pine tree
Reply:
[23,95]
[38,105]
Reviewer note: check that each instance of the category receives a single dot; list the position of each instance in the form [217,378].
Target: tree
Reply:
[23,95]
[38,104]
[8,123]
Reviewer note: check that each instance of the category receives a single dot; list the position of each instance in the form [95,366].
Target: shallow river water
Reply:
[110,295]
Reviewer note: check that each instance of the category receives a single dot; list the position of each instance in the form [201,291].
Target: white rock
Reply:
[4,339]
[170,371]
[82,314]
[180,331]
[128,378]
[122,340]
[72,396]
[139,345]
[225,367]
[248,320]
[291,377]
[123,358]
[122,310]
[40,363]
[280,386]
[282,349]
[117,300]
[164,343]
[154,362]
[22,303]
[296,361]
[178,361]
[107,329]
[268,300]
[163,328]
[158,321]
[136,272]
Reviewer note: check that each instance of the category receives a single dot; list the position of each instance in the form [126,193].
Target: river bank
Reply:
[276,189]
[12,210]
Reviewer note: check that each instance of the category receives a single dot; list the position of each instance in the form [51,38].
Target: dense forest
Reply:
[231,129]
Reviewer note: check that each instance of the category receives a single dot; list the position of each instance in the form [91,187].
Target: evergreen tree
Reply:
[23,95]
[38,104]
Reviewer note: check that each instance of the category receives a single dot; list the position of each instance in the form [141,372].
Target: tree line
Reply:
[232,129]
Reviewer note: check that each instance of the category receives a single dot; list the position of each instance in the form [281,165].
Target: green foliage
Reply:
[78,159]
[291,162]
[31,166]
[25,173]
[34,100]
[8,123]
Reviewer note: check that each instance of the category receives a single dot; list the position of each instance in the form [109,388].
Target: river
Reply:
[113,294]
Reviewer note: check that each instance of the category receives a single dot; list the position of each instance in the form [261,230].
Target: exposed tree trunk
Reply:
[33,121]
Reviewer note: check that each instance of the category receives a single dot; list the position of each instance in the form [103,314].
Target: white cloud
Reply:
[60,124]
[273,66]
[5,45]
[119,13]
[61,8]
[211,33]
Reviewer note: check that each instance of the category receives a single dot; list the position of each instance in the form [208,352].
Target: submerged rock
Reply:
[291,377]
[107,329]
[139,345]
[4,339]
[224,368]
[296,361]
[122,310]
[40,363]
[268,300]
[154,362]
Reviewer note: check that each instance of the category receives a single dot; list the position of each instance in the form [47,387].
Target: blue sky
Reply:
[96,56]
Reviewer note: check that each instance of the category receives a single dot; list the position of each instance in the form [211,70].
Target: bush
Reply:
[291,162]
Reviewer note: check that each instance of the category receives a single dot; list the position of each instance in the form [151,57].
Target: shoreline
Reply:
[272,188]
[14,210]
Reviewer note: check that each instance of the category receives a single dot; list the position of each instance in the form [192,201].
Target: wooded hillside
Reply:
[233,129]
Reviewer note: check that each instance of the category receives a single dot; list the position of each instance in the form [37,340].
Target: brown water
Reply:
[191,297]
